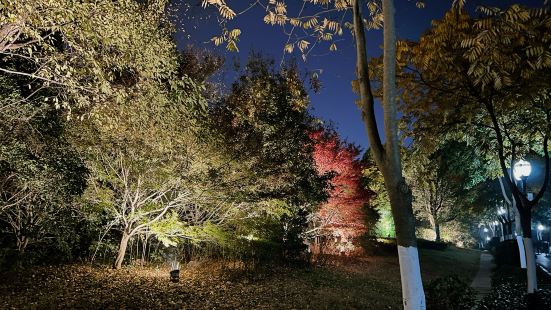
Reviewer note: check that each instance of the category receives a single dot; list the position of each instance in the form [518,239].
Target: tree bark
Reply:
[437,231]
[530,265]
[435,224]
[122,250]
[387,158]
[518,226]
[526,223]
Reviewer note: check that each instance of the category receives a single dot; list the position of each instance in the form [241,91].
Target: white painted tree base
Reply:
[530,265]
[521,252]
[413,295]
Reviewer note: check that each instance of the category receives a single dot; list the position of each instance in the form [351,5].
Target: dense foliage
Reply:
[449,293]
[342,217]
[115,145]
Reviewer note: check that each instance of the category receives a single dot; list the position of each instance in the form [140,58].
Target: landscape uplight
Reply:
[522,169]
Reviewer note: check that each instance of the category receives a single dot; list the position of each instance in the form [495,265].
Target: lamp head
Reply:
[522,169]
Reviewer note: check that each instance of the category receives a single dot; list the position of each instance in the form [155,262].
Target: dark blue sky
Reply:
[335,102]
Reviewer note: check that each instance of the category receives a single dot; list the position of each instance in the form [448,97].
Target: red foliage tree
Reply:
[341,218]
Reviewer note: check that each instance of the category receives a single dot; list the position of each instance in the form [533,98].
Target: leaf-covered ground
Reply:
[371,282]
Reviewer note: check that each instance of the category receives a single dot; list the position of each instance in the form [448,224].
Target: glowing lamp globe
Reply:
[522,169]
[541,227]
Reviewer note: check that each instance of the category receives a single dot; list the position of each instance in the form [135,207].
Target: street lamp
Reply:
[521,171]
[539,235]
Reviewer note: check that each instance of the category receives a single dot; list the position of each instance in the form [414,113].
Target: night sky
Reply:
[335,102]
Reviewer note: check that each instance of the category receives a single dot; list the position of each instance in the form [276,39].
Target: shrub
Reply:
[504,296]
[493,244]
[431,245]
[506,253]
[539,300]
[449,293]
[379,246]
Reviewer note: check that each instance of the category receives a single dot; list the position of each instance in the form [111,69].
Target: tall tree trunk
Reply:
[435,224]
[526,223]
[388,157]
[122,250]
[413,296]
[518,225]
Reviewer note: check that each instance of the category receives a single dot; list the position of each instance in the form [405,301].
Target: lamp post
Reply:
[539,235]
[540,230]
[521,171]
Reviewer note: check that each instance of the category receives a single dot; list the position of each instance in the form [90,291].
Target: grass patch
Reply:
[452,261]
[363,283]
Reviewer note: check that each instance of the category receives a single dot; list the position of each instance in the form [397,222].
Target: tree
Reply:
[82,57]
[387,157]
[489,76]
[41,174]
[441,181]
[342,215]
[262,128]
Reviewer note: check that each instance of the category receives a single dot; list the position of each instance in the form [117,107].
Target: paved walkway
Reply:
[482,283]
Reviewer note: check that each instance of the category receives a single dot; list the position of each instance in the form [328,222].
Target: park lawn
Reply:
[453,261]
[369,282]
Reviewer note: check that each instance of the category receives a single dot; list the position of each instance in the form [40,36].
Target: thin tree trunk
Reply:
[22,243]
[435,224]
[387,157]
[122,250]
[518,225]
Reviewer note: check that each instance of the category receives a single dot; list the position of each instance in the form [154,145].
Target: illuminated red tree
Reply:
[341,218]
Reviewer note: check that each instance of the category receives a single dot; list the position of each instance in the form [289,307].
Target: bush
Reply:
[504,296]
[379,246]
[514,296]
[493,244]
[506,253]
[539,300]
[449,293]
[431,245]
[387,246]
